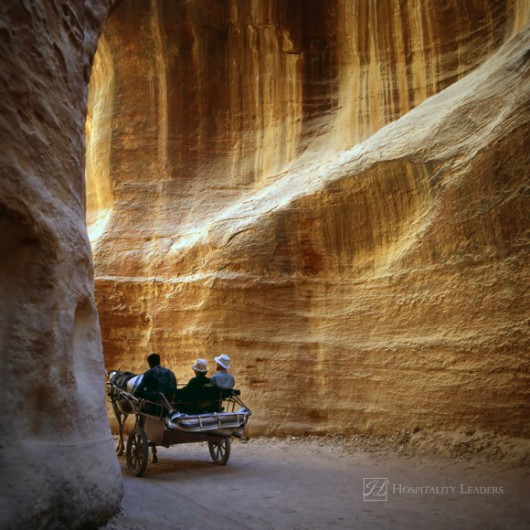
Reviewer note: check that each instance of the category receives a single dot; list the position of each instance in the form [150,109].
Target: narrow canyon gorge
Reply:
[335,193]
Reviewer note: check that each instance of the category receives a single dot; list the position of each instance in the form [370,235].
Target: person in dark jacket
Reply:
[194,391]
[157,380]
[195,384]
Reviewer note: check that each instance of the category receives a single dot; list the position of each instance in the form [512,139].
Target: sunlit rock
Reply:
[333,196]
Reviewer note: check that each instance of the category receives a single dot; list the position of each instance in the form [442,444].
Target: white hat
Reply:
[200,365]
[223,360]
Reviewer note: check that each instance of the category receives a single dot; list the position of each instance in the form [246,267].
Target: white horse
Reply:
[121,403]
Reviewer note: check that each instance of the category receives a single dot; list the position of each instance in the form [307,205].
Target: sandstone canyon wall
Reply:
[57,461]
[335,193]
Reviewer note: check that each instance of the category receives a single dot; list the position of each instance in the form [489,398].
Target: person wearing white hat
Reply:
[192,393]
[222,379]
[200,367]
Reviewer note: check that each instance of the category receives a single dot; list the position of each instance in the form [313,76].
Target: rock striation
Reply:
[335,193]
[58,468]
[336,196]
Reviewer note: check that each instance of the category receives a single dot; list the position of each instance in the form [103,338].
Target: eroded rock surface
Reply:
[335,196]
[58,468]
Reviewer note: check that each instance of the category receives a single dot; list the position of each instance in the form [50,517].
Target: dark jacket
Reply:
[192,391]
[158,379]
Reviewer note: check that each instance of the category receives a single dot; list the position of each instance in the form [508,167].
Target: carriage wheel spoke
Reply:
[137,451]
[220,450]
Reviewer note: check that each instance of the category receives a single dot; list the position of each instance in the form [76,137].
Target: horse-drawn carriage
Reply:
[218,417]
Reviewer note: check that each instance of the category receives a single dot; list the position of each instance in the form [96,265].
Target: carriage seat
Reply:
[207,399]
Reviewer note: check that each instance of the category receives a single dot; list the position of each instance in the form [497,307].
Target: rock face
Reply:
[334,193]
[58,468]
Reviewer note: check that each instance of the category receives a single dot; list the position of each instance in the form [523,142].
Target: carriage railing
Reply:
[224,402]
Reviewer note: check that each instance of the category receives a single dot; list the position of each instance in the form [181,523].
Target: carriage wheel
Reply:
[220,450]
[137,452]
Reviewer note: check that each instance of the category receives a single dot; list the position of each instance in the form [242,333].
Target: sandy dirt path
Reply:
[311,484]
